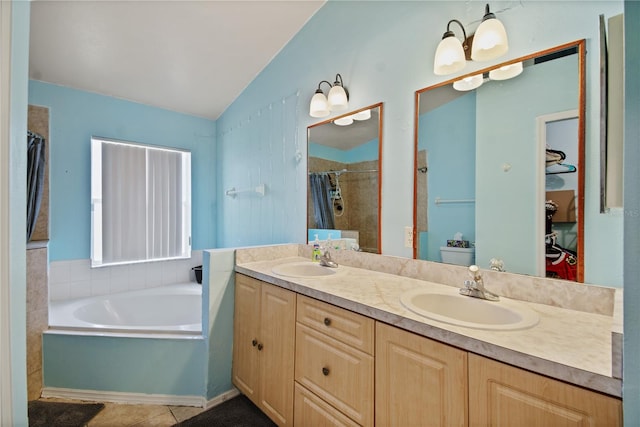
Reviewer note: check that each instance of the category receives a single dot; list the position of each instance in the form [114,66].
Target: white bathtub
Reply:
[173,308]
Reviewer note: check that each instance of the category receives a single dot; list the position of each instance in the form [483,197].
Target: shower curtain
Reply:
[322,204]
[35,178]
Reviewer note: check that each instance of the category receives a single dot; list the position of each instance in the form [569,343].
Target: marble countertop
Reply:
[572,346]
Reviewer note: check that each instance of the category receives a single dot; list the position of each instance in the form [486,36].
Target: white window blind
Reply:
[141,203]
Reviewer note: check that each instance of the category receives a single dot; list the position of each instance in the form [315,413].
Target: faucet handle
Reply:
[474,272]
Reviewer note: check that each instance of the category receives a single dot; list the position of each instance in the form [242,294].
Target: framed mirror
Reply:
[499,166]
[343,190]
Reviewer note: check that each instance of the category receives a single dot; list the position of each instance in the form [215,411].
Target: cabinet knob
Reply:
[254,342]
[260,347]
[325,371]
[327,321]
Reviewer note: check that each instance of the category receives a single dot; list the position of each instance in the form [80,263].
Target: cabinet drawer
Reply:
[310,410]
[337,373]
[343,325]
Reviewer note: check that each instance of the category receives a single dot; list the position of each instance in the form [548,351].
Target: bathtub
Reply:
[163,309]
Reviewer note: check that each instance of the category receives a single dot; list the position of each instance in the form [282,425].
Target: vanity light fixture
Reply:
[336,100]
[469,83]
[489,42]
[507,72]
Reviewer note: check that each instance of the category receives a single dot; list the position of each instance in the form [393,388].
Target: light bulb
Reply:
[506,72]
[344,121]
[337,99]
[319,106]
[468,83]
[490,40]
[449,57]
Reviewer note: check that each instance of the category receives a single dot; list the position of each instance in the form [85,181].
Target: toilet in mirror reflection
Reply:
[458,256]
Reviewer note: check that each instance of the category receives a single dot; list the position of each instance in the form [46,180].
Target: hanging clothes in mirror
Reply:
[554,162]
[561,263]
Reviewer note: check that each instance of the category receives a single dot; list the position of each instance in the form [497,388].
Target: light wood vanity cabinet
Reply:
[419,382]
[264,346]
[334,370]
[505,396]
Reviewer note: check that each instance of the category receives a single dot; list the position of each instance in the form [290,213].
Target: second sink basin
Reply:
[453,308]
[302,269]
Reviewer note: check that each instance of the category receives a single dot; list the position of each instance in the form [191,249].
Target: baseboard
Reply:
[134,398]
[222,398]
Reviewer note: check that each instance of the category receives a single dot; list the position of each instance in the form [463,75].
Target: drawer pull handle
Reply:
[260,347]
[254,342]
[327,321]
[325,371]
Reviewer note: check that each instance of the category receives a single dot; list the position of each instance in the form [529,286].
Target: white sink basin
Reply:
[460,310]
[303,269]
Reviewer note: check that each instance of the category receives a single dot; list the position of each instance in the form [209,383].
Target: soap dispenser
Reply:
[316,253]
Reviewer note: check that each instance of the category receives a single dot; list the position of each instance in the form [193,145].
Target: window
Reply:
[140,203]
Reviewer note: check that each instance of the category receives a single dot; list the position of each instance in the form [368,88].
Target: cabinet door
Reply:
[246,335]
[277,353]
[419,382]
[502,395]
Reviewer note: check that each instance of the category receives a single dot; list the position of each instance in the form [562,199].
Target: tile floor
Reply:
[125,415]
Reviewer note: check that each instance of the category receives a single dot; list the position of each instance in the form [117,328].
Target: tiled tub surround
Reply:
[572,342]
[72,279]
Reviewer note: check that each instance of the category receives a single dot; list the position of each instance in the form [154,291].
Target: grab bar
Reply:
[439,201]
[232,192]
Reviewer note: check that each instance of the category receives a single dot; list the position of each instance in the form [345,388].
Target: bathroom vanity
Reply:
[341,349]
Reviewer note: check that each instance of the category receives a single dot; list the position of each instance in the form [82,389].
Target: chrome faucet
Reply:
[475,287]
[326,261]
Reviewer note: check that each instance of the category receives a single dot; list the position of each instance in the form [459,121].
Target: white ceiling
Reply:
[193,57]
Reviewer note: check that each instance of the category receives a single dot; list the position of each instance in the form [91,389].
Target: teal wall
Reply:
[451,159]
[219,318]
[631,373]
[133,365]
[384,52]
[16,212]
[75,116]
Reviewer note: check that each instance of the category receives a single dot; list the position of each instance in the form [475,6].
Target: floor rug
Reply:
[61,414]
[236,412]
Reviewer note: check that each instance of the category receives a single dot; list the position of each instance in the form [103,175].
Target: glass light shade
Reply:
[362,115]
[449,57]
[506,72]
[338,99]
[344,121]
[468,83]
[490,41]
[319,106]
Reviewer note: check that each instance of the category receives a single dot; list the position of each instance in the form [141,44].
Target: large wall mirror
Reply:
[344,165]
[499,159]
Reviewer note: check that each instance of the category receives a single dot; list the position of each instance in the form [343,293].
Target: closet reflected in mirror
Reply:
[343,190]
[500,167]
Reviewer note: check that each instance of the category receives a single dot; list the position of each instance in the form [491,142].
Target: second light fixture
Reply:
[489,42]
[336,100]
